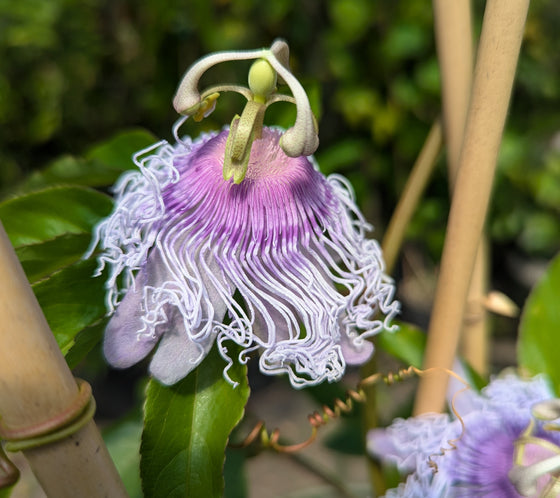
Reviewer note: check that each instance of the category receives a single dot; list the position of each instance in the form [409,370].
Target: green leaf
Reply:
[71,300]
[123,443]
[537,347]
[43,259]
[186,430]
[116,154]
[407,343]
[347,437]
[84,342]
[44,215]
[234,475]
[104,163]
[6,492]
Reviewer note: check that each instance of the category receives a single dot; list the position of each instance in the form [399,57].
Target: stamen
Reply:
[243,131]
[300,139]
[547,410]
[525,478]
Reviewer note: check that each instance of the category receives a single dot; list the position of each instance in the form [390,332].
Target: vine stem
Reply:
[36,385]
[500,42]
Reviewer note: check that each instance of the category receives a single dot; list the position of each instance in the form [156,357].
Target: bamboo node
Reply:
[59,427]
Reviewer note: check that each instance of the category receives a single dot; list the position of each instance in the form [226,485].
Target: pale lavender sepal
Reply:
[177,355]
[122,344]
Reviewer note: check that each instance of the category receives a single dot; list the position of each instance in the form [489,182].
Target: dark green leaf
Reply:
[84,342]
[116,154]
[186,429]
[71,300]
[538,344]
[6,492]
[44,215]
[407,343]
[348,437]
[123,443]
[104,164]
[69,170]
[41,260]
[234,475]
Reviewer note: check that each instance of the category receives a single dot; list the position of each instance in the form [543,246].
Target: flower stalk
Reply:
[502,32]
[37,386]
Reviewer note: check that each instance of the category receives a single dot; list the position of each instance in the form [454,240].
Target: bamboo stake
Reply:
[454,44]
[412,192]
[455,53]
[37,385]
[502,32]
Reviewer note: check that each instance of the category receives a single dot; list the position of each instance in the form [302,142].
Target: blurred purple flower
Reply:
[278,263]
[503,452]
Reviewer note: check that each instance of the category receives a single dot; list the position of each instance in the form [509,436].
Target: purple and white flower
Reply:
[506,450]
[277,262]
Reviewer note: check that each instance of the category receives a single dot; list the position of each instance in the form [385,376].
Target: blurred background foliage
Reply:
[74,73]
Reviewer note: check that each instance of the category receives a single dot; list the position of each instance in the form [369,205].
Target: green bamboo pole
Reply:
[500,41]
[36,385]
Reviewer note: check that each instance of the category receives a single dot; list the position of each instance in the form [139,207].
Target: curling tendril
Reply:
[340,406]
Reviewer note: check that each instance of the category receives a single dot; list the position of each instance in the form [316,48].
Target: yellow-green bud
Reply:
[262,79]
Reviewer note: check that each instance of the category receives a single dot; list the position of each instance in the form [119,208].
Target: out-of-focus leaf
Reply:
[540,232]
[342,156]
[537,346]
[347,438]
[116,154]
[41,260]
[71,300]
[46,214]
[407,343]
[84,342]
[104,163]
[234,475]
[123,443]
[186,429]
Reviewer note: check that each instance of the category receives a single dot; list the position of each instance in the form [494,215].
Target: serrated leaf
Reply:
[71,300]
[117,152]
[537,347]
[46,214]
[43,259]
[186,429]
[407,343]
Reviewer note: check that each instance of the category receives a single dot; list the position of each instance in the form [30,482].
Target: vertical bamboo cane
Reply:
[455,53]
[454,43]
[36,385]
[502,32]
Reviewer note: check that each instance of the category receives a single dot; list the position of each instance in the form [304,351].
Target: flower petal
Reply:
[177,355]
[122,345]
